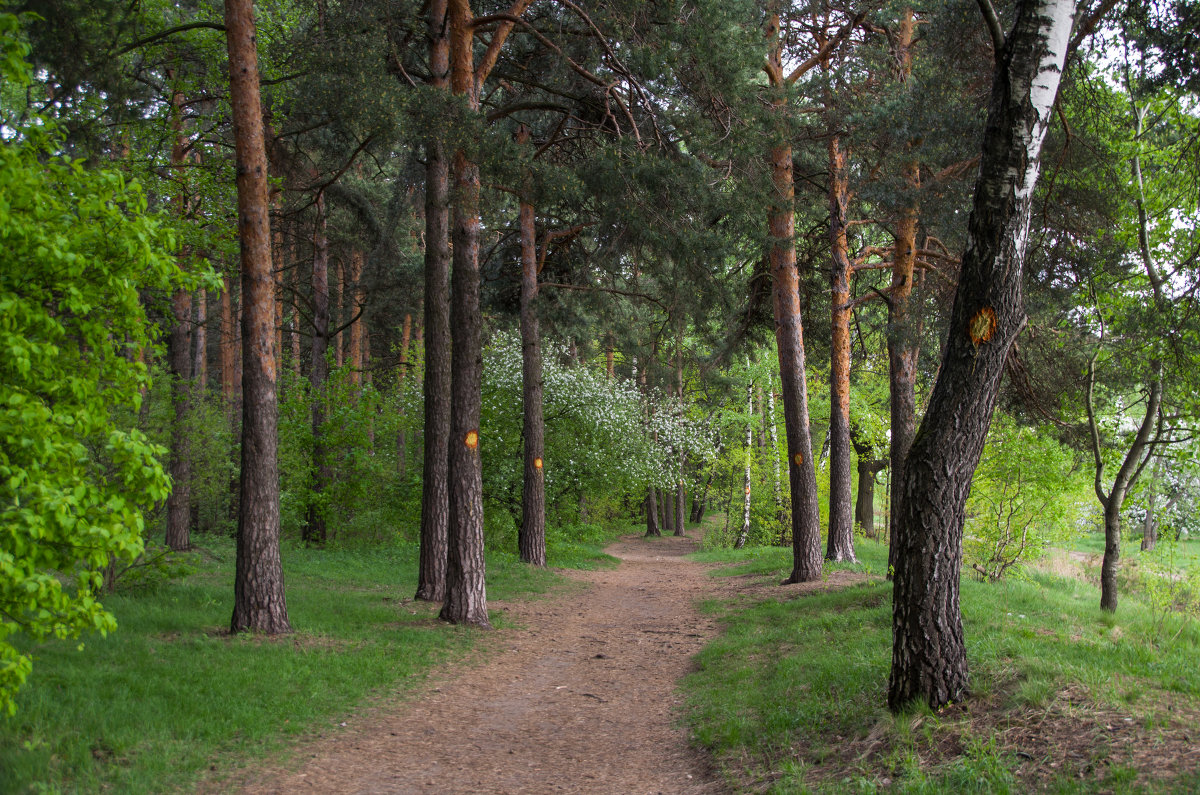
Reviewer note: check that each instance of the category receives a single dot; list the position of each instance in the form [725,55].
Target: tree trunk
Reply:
[259,603]
[315,529]
[868,468]
[466,594]
[652,527]
[840,546]
[180,359]
[903,338]
[744,534]
[229,349]
[402,434]
[789,335]
[1150,523]
[700,497]
[435,493]
[781,512]
[200,342]
[354,285]
[531,540]
[928,653]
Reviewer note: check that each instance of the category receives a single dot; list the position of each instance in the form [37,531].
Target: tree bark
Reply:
[180,359]
[228,345]
[531,540]
[789,332]
[435,493]
[652,526]
[744,534]
[781,512]
[840,545]
[316,529]
[259,603]
[354,285]
[200,342]
[903,338]
[928,653]
[466,594]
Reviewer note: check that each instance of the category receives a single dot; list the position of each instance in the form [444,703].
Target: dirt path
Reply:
[581,698]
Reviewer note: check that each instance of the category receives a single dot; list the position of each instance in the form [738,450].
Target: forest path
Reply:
[580,696]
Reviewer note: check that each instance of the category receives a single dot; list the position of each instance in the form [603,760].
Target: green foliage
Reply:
[1027,493]
[77,248]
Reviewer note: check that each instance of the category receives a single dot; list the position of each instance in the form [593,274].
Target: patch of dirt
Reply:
[580,697]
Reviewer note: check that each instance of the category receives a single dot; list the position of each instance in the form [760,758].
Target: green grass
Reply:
[171,695]
[792,696]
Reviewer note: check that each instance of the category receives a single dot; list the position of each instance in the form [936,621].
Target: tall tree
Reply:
[259,603]
[435,495]
[531,540]
[928,653]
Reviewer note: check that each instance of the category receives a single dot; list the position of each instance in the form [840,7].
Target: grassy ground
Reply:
[791,697]
[171,694]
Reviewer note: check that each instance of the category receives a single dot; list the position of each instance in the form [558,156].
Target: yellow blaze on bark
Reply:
[537,463]
[982,325]
[472,440]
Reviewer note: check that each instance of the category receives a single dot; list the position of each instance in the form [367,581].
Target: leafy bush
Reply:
[1026,494]
[78,247]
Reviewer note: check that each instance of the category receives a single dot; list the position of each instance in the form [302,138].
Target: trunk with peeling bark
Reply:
[744,534]
[259,603]
[315,529]
[929,660]
[840,545]
[531,540]
[435,494]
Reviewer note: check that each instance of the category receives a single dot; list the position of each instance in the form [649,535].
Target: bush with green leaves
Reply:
[600,438]
[77,247]
[1027,493]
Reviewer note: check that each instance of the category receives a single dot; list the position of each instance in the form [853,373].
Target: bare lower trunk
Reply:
[435,493]
[315,529]
[652,526]
[259,603]
[200,342]
[929,660]
[744,535]
[840,546]
[531,540]
[466,594]
[789,336]
[179,357]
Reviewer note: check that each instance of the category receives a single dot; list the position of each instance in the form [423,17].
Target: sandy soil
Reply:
[580,697]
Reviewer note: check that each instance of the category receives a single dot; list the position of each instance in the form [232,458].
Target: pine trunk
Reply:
[435,493]
[789,336]
[929,660]
[229,349]
[652,526]
[840,546]
[180,359]
[531,540]
[259,603]
[315,529]
[200,342]
[466,595]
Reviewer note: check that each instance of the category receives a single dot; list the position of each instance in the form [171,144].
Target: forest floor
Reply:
[577,694]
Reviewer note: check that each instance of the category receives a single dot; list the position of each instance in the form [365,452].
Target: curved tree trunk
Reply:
[435,493]
[928,652]
[259,603]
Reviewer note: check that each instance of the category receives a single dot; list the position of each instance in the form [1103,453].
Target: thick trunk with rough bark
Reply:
[200,342]
[466,594]
[652,525]
[789,337]
[435,493]
[840,545]
[531,540]
[928,652]
[259,603]
[315,529]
